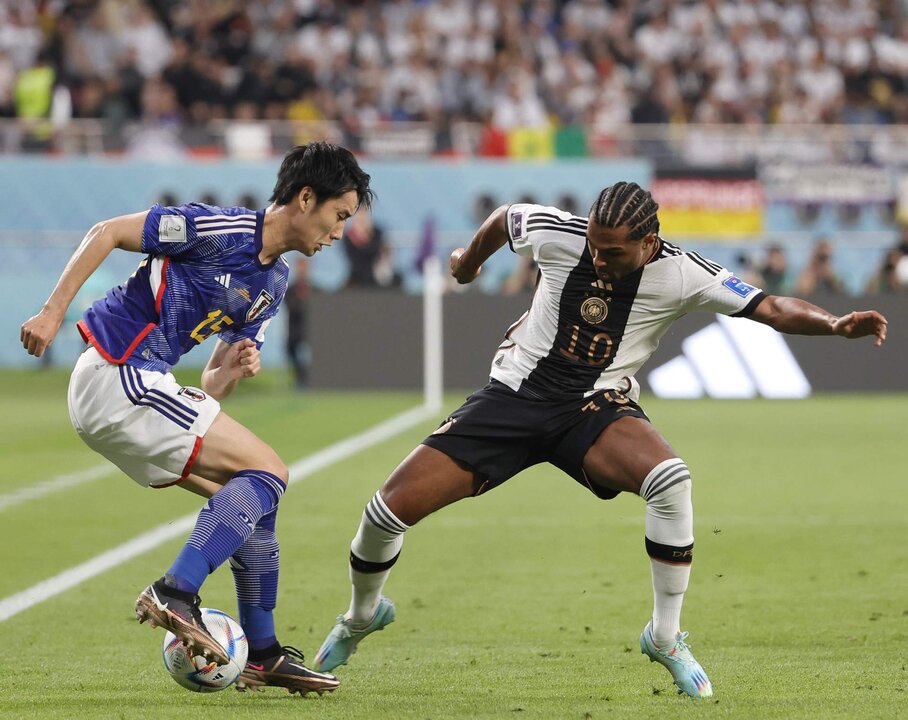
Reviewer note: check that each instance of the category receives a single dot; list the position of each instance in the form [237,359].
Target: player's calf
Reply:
[669,542]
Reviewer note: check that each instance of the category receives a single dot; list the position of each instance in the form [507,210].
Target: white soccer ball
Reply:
[198,673]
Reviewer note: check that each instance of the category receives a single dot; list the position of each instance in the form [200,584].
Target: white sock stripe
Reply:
[386,515]
[667,481]
[269,480]
[374,516]
[658,473]
[390,515]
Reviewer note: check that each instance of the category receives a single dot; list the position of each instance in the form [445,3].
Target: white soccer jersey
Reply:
[583,334]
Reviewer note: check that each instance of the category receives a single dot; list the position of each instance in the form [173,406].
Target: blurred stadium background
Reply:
[772,134]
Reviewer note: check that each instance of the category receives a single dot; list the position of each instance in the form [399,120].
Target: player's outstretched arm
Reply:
[124,232]
[228,364]
[492,234]
[799,317]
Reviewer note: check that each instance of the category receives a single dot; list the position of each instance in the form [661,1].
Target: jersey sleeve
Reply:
[525,222]
[171,231]
[518,235]
[710,287]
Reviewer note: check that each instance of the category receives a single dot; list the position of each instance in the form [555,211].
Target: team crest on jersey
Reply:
[738,286]
[262,302]
[192,393]
[594,310]
[172,228]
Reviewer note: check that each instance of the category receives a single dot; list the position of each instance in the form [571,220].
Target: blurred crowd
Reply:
[771,270]
[506,63]
[168,67]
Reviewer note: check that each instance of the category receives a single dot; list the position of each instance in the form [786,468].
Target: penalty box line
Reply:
[68,579]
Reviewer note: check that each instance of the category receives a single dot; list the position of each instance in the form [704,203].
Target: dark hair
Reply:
[330,170]
[627,204]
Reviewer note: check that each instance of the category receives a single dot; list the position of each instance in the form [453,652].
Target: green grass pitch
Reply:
[525,603]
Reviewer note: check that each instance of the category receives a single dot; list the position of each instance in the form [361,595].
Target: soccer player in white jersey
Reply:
[207,271]
[562,391]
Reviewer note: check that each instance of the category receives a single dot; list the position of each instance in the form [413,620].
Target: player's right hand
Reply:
[38,332]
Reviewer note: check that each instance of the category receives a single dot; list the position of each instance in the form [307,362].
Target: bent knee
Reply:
[271,463]
[280,471]
[666,480]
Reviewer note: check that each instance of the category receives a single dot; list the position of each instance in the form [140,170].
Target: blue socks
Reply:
[255,574]
[224,525]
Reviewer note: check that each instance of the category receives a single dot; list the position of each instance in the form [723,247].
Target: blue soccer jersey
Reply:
[202,277]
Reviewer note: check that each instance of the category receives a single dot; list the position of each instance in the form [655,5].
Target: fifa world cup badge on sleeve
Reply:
[738,286]
[517,225]
[172,228]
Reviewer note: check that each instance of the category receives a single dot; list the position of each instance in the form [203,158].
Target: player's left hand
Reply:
[858,324]
[243,359]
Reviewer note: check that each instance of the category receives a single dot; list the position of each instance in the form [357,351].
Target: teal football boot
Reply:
[689,676]
[344,637]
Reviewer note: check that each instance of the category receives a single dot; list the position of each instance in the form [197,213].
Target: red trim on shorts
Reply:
[89,337]
[166,485]
[191,461]
[187,468]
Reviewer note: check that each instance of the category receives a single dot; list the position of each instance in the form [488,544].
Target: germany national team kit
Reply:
[566,368]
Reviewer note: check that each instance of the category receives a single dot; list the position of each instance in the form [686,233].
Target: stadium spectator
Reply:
[892,276]
[296,301]
[819,274]
[773,271]
[562,391]
[7,85]
[368,255]
[157,135]
[522,279]
[34,97]
[210,271]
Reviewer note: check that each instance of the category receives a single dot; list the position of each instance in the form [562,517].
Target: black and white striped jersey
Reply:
[582,334]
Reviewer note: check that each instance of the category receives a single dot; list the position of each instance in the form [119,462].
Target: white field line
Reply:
[61,482]
[46,589]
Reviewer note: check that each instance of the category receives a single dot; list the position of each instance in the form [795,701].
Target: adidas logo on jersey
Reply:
[223,279]
[731,359]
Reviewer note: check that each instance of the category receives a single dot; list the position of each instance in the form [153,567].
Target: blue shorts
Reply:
[498,432]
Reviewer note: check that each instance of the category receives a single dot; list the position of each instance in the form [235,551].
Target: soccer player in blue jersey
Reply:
[207,271]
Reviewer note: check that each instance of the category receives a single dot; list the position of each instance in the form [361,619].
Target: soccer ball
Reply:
[198,673]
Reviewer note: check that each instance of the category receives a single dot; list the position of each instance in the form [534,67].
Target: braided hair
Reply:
[627,204]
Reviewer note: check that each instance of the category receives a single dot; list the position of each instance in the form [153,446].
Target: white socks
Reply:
[669,543]
[373,552]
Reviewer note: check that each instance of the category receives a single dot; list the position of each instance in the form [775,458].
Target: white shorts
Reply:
[144,422]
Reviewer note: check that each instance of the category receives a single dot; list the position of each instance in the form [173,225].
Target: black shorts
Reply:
[498,432]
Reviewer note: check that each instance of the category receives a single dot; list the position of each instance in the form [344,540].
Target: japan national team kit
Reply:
[201,277]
